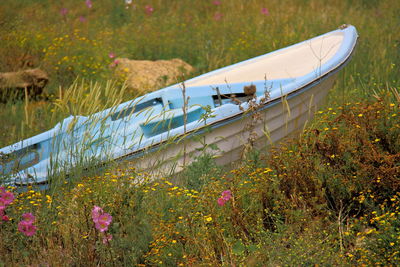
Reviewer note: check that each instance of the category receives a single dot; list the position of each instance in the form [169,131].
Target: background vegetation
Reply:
[69,40]
[329,199]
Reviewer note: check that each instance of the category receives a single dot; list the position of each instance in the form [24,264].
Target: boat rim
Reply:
[242,114]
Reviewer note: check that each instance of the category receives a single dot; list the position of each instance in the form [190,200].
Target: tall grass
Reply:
[330,198]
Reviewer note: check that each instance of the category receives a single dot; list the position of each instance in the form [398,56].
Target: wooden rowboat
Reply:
[257,101]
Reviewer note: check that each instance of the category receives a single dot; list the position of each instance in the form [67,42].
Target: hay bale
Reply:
[145,75]
[13,84]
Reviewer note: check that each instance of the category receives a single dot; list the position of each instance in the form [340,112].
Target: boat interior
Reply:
[163,110]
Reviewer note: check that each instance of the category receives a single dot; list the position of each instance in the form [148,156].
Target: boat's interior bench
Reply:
[170,119]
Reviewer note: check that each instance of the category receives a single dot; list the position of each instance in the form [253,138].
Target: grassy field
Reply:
[330,198]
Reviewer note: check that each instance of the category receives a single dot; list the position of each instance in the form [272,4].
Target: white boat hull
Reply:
[285,118]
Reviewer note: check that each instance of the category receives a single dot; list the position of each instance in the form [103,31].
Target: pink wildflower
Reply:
[107,238]
[27,228]
[265,11]
[101,219]
[7,197]
[2,211]
[105,218]
[217,2]
[28,217]
[96,212]
[218,16]
[89,3]
[111,55]
[64,11]
[227,195]
[101,226]
[82,19]
[149,9]
[115,63]
[221,201]
[5,218]
[2,189]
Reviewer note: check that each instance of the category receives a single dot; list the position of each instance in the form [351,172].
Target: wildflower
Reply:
[105,218]
[107,238]
[217,2]
[27,228]
[265,11]
[7,197]
[149,9]
[5,218]
[221,201]
[218,16]
[101,226]
[96,211]
[111,55]
[2,189]
[28,217]
[227,195]
[101,220]
[267,170]
[89,3]
[128,2]
[82,19]
[115,63]
[64,11]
